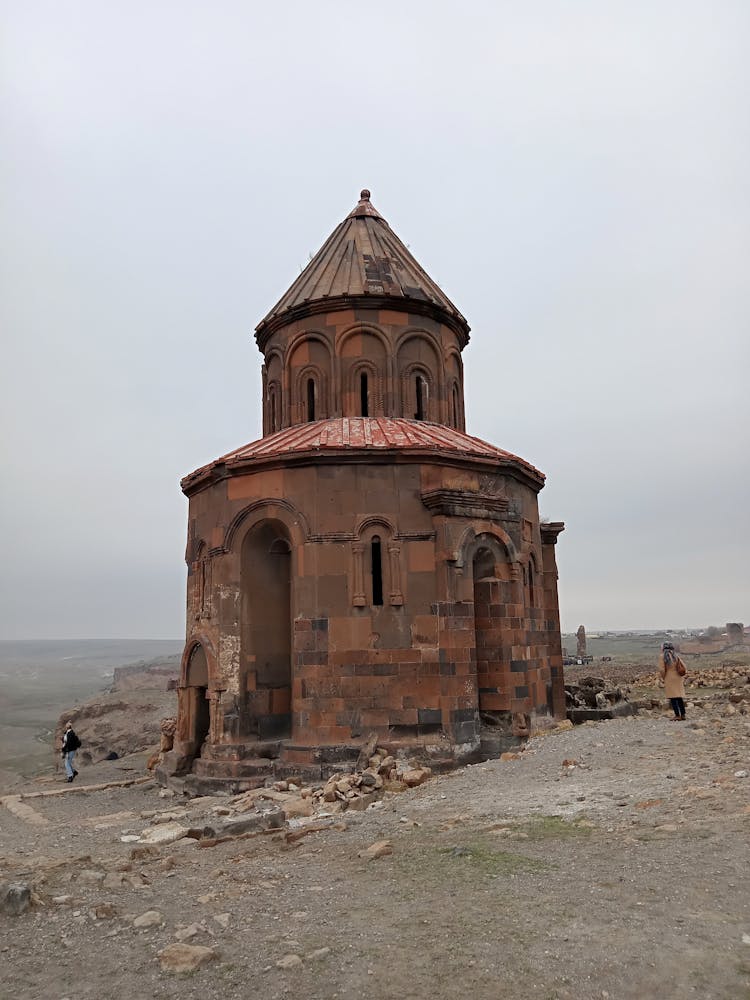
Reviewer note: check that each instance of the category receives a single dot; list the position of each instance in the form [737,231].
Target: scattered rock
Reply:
[15,898]
[222,919]
[315,956]
[289,962]
[181,957]
[417,776]
[105,911]
[151,918]
[185,933]
[90,876]
[380,849]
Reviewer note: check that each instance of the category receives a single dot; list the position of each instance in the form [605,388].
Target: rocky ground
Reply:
[609,860]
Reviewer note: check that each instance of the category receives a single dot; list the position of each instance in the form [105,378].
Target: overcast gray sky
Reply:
[575,175]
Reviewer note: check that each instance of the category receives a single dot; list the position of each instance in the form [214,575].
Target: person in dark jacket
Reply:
[70,744]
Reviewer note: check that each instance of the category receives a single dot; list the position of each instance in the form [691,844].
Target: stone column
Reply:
[359,598]
[394,553]
[551,606]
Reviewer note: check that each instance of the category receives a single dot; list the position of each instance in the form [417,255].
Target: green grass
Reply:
[487,861]
[551,828]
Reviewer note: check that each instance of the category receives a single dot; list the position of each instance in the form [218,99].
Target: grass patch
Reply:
[470,857]
[552,828]
[487,861]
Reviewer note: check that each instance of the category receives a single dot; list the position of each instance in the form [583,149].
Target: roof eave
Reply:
[215,472]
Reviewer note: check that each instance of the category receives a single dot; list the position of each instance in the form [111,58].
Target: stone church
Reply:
[365,566]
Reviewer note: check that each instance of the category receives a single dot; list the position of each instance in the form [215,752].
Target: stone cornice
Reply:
[409,307]
[550,531]
[468,503]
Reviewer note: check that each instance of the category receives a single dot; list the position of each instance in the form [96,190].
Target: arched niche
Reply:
[309,362]
[454,390]
[266,628]
[492,575]
[420,377]
[273,410]
[363,354]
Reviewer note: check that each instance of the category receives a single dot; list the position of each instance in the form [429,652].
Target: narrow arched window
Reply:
[531,584]
[455,407]
[310,400]
[363,395]
[274,412]
[377,571]
[421,396]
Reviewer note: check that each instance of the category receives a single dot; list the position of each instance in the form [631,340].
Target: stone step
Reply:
[194,784]
[249,767]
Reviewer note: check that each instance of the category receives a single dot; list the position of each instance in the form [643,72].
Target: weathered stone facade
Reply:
[366,565]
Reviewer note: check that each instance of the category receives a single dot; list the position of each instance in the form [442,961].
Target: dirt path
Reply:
[621,874]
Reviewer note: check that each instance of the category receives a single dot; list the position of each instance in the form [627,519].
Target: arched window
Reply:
[376,563]
[364,398]
[310,400]
[454,394]
[421,398]
[531,583]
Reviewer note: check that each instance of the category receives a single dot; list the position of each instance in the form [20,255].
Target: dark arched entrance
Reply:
[198,711]
[266,630]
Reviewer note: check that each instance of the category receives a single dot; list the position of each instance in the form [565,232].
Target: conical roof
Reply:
[362,259]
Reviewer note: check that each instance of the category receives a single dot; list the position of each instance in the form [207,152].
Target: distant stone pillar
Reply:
[581,637]
[551,605]
[735,633]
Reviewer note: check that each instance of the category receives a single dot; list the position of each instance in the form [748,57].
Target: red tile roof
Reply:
[377,434]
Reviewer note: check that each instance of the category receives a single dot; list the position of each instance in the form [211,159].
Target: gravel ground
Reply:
[622,873]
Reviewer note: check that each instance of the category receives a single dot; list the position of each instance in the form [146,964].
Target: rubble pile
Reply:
[354,789]
[593,693]
[729,675]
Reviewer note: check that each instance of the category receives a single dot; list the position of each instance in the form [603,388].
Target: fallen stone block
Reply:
[165,833]
[417,776]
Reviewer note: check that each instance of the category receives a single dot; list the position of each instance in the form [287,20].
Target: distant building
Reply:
[366,566]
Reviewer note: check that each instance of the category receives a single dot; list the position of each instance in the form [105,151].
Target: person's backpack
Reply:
[73,742]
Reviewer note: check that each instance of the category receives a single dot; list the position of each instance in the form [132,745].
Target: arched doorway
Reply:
[266,630]
[198,709]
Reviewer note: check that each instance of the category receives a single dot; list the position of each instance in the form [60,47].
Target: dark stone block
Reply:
[385,669]
[429,716]
[270,726]
[518,666]
[463,715]
[447,669]
[320,624]
[522,691]
[465,732]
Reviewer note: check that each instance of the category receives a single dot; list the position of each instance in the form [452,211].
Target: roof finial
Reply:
[364,195]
